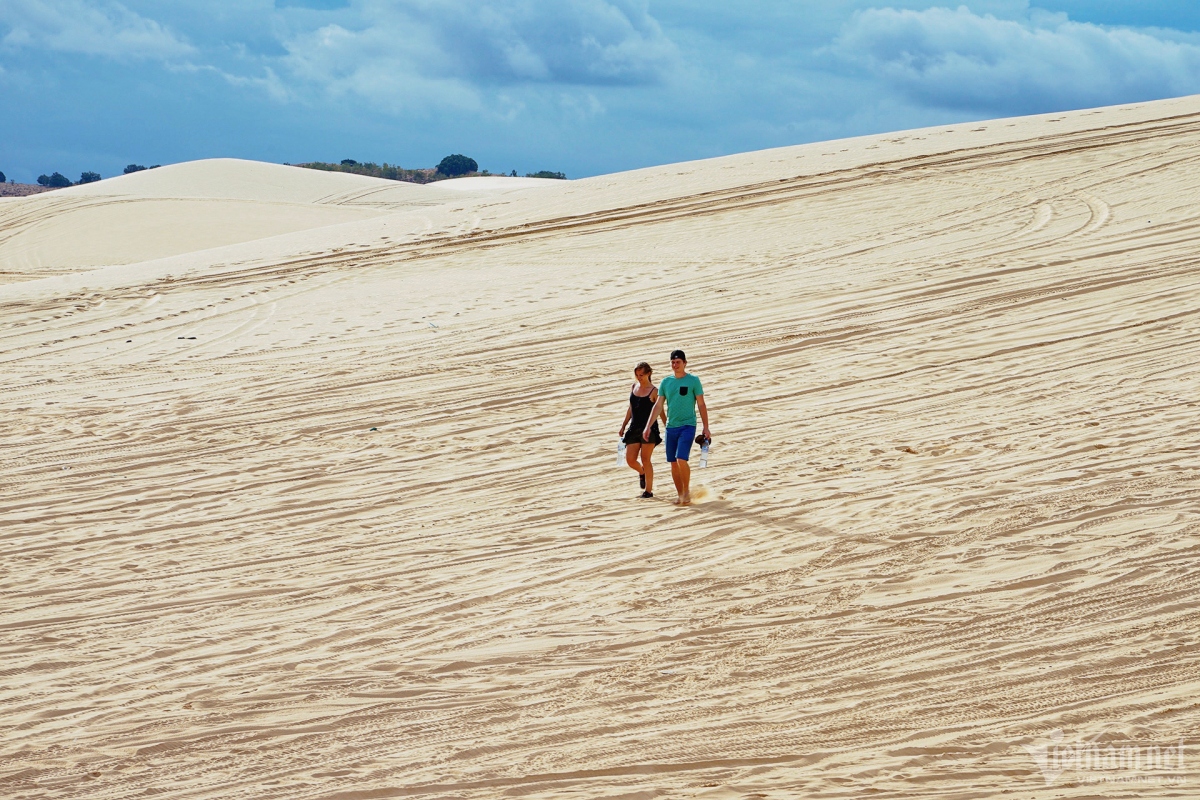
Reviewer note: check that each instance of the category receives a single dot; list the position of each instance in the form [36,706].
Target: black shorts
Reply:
[634,435]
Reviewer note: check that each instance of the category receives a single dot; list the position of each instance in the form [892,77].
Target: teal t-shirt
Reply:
[680,396]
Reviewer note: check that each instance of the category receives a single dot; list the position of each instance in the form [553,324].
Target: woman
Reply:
[642,397]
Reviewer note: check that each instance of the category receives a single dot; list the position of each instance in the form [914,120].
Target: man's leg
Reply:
[672,444]
[684,482]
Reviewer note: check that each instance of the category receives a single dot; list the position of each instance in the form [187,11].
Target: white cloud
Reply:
[417,56]
[269,82]
[418,50]
[106,29]
[397,70]
[958,59]
[584,42]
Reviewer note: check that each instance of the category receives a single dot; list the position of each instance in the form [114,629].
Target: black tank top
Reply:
[642,406]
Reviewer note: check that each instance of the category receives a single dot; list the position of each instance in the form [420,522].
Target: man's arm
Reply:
[703,408]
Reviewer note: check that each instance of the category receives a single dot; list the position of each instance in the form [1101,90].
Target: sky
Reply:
[580,86]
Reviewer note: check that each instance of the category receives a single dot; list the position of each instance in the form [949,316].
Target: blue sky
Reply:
[582,86]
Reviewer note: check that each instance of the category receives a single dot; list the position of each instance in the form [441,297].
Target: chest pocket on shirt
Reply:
[682,390]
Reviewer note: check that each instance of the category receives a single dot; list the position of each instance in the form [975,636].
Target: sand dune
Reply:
[331,510]
[197,206]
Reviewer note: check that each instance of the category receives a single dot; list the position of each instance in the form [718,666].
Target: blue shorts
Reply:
[679,442]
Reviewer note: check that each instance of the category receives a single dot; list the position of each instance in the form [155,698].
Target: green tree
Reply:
[546,174]
[133,168]
[2,178]
[457,164]
[55,181]
[89,177]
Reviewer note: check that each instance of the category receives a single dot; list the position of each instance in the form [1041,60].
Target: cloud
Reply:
[396,70]
[583,42]
[452,51]
[268,82]
[957,59]
[319,5]
[105,29]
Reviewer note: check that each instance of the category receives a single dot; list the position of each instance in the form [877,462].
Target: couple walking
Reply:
[682,395]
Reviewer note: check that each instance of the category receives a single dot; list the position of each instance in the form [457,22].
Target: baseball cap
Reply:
[679,354]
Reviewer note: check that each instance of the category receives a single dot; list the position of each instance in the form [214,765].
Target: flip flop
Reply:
[647,494]
[642,479]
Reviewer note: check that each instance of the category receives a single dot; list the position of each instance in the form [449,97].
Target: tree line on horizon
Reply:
[452,166]
[455,165]
[57,180]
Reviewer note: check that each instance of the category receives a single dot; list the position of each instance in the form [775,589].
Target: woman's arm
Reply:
[628,411]
[654,412]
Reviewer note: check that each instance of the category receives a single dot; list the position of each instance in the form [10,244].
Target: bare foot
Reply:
[686,500]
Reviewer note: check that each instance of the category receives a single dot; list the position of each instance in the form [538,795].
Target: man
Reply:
[682,394]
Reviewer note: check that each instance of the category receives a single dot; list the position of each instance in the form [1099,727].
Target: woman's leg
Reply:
[648,466]
[631,456]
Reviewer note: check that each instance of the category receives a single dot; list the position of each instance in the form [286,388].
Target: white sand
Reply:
[197,206]
[952,503]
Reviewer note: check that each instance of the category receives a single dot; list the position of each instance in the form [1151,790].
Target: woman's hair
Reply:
[644,367]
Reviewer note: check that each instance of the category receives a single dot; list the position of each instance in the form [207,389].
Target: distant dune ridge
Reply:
[196,206]
[309,485]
